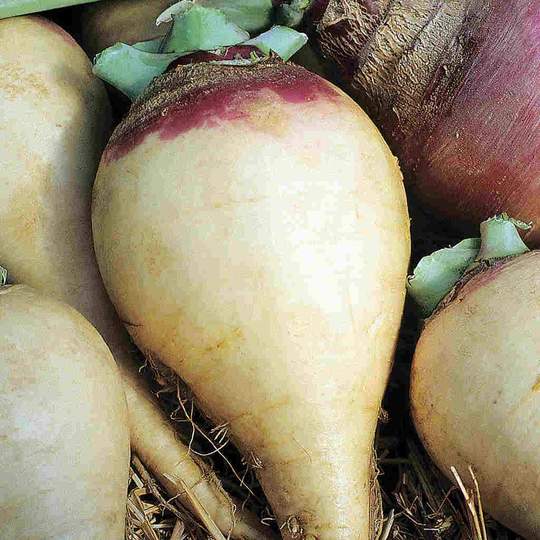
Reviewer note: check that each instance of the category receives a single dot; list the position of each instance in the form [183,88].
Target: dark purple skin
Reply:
[211,101]
[483,155]
[469,143]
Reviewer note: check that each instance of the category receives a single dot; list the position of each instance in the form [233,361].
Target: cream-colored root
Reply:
[284,262]
[51,136]
[475,384]
[59,391]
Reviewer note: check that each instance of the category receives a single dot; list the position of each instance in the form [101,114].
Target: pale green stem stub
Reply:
[249,15]
[436,275]
[285,42]
[130,69]
[500,238]
[202,29]
[196,27]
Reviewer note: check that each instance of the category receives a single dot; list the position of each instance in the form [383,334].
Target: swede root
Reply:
[475,389]
[54,126]
[454,87]
[64,442]
[252,231]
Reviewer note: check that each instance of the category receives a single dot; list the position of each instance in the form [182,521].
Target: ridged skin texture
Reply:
[54,121]
[475,389]
[454,86]
[259,248]
[64,442]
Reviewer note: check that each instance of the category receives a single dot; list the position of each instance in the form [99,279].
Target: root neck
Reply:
[401,57]
[201,94]
[439,275]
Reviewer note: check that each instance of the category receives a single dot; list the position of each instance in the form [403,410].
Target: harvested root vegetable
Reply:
[105,23]
[54,124]
[475,390]
[252,231]
[64,442]
[455,88]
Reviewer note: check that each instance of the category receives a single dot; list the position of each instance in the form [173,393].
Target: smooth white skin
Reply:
[127,21]
[264,260]
[64,442]
[475,390]
[54,121]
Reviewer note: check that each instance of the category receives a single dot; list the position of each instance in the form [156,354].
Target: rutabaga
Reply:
[475,385]
[64,441]
[251,228]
